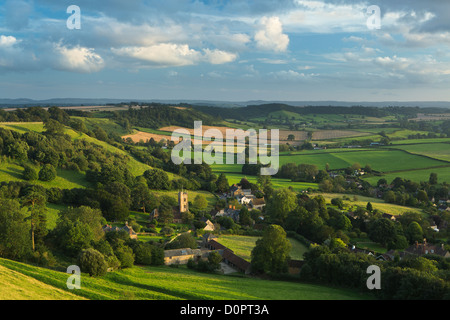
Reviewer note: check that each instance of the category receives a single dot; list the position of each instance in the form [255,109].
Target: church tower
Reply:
[183,201]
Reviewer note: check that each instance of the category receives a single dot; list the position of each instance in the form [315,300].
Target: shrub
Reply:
[93,262]
[47,173]
[29,173]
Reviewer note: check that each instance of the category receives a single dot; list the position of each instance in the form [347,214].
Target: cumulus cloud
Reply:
[270,36]
[174,55]
[77,59]
[7,41]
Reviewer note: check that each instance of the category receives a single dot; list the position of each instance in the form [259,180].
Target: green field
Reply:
[17,286]
[414,175]
[166,283]
[66,179]
[361,201]
[276,182]
[243,246]
[440,151]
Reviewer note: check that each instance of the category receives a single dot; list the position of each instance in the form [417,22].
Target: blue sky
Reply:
[226,50]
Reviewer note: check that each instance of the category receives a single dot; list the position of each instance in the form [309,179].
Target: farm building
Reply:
[182,256]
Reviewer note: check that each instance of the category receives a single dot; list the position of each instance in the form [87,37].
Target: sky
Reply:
[226,50]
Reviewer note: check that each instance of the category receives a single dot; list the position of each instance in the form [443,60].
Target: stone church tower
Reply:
[183,201]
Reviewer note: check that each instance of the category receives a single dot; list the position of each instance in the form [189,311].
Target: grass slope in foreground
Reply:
[166,283]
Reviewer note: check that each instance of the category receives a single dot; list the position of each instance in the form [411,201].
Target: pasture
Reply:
[166,283]
[243,246]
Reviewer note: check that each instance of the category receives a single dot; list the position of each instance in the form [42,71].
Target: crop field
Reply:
[165,283]
[243,246]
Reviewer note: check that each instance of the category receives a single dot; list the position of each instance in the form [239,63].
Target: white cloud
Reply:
[174,55]
[7,41]
[271,37]
[77,59]
[219,57]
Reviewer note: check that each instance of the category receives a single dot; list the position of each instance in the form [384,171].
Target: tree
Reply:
[53,127]
[15,240]
[185,240]
[157,179]
[29,173]
[291,137]
[245,217]
[433,178]
[414,232]
[382,231]
[271,252]
[280,204]
[222,183]
[93,262]
[369,207]
[200,202]
[47,173]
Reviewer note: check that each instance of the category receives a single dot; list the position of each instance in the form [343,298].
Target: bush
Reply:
[93,262]
[47,173]
[29,173]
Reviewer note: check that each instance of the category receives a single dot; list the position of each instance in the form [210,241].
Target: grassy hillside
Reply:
[17,286]
[166,283]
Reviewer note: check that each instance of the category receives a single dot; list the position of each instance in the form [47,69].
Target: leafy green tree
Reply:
[15,242]
[382,231]
[222,183]
[200,202]
[47,173]
[72,236]
[414,232]
[271,252]
[369,207]
[29,173]
[185,240]
[93,262]
[53,127]
[157,179]
[433,178]
[280,204]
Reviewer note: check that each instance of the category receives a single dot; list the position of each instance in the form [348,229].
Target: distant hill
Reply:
[222,104]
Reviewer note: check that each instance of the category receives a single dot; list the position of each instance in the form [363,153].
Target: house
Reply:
[154,215]
[181,256]
[258,204]
[245,199]
[108,228]
[236,191]
[128,229]
[389,216]
[230,212]
[425,248]
[209,226]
